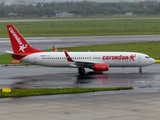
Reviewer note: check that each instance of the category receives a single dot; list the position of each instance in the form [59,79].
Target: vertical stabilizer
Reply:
[19,44]
[55,49]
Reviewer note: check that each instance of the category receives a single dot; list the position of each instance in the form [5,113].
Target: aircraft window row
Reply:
[54,58]
[96,58]
[65,58]
[81,57]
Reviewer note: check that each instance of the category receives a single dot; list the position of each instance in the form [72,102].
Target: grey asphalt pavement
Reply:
[47,42]
[140,103]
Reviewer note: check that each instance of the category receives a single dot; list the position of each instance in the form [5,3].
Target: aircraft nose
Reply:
[152,61]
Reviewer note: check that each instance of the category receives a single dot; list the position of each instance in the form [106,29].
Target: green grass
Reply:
[86,17]
[85,28]
[150,48]
[5,58]
[54,91]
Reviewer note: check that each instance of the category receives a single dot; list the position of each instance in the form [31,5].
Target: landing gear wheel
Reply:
[140,70]
[81,71]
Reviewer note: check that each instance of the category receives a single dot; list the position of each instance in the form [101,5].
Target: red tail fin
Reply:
[19,44]
[55,49]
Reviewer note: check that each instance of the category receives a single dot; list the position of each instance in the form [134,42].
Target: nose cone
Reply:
[152,61]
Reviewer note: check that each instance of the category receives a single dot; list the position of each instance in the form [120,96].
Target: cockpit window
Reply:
[146,56]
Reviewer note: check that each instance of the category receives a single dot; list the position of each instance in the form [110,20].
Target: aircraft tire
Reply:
[140,70]
[81,71]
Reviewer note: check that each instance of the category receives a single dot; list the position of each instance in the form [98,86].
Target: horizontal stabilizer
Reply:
[12,53]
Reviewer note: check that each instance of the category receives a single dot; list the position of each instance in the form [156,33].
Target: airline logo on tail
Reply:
[21,45]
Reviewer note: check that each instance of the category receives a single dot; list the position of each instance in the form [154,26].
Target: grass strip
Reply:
[54,91]
[85,27]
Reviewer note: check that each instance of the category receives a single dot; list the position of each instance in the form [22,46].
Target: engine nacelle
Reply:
[101,67]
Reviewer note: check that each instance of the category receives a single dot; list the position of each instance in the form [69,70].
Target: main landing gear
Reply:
[81,71]
[140,70]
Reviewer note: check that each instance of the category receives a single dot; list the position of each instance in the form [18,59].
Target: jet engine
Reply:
[101,67]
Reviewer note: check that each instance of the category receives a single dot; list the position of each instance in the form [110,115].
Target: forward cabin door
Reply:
[35,59]
[139,58]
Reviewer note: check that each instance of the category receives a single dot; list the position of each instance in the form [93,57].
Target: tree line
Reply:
[82,8]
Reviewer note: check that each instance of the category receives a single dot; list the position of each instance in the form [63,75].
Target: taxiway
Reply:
[143,102]
[37,76]
[48,42]
[140,103]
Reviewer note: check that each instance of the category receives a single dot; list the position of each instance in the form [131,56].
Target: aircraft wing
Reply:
[82,63]
[86,63]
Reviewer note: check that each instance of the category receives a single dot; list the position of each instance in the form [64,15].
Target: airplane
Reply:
[97,61]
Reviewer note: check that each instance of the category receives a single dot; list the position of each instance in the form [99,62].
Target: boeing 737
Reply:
[97,61]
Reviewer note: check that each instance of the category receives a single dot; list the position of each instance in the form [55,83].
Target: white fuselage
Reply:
[113,59]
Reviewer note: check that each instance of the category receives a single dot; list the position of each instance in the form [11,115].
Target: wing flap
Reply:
[86,63]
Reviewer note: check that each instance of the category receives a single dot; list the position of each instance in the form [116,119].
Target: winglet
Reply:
[68,57]
[55,49]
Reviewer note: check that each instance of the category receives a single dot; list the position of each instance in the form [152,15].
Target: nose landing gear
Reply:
[140,70]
